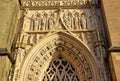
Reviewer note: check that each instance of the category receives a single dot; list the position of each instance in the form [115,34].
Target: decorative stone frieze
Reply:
[53,3]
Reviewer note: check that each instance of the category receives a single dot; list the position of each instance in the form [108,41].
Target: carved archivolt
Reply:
[55,45]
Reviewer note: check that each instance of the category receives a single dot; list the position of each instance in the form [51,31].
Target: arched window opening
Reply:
[60,70]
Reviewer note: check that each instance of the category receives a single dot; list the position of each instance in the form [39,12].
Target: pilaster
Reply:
[8,28]
[112,19]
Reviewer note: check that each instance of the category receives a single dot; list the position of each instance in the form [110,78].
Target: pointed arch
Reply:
[60,70]
[59,43]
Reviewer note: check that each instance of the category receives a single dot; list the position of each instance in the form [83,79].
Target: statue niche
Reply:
[68,20]
[51,21]
[35,22]
[39,22]
[75,20]
[44,22]
[83,20]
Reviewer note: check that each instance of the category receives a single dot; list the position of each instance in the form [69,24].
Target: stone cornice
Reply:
[55,3]
[4,52]
[114,49]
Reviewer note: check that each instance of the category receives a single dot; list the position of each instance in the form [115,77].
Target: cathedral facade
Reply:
[59,40]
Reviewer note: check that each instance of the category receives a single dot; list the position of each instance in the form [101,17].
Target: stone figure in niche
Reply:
[83,21]
[51,21]
[76,20]
[65,18]
[82,25]
[34,23]
[44,21]
[39,21]
[68,19]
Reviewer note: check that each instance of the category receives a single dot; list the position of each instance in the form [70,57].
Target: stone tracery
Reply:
[60,70]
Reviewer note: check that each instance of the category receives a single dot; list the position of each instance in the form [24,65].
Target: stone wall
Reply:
[8,25]
[4,68]
[115,65]
[111,10]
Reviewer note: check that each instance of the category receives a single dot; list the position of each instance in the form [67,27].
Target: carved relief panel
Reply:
[37,23]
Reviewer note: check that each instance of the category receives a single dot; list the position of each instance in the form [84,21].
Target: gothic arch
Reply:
[69,47]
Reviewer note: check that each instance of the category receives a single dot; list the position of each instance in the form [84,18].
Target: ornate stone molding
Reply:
[59,44]
[55,3]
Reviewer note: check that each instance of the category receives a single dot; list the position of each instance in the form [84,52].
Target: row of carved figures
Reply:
[75,21]
[44,21]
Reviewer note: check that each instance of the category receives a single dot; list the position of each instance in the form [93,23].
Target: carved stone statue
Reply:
[44,21]
[83,21]
[34,23]
[39,21]
[68,20]
[51,21]
[76,20]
